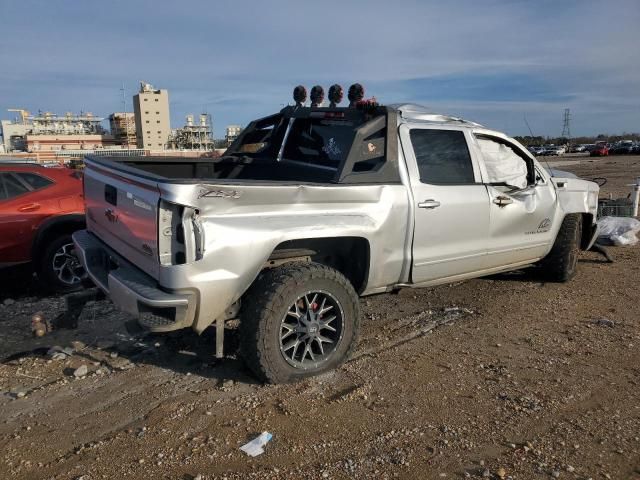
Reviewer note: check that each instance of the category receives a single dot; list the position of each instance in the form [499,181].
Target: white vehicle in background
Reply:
[551,150]
[311,208]
[579,148]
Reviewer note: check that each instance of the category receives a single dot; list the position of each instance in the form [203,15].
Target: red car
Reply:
[39,210]
[600,150]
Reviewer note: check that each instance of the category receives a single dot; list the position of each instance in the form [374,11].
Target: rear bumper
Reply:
[130,289]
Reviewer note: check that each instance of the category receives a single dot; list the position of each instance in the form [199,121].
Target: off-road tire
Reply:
[266,304]
[46,274]
[560,264]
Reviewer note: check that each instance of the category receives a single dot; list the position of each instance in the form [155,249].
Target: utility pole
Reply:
[566,125]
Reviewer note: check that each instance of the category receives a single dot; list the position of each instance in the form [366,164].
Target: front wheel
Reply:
[560,264]
[298,320]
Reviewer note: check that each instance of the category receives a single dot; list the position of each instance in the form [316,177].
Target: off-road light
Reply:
[317,96]
[356,94]
[335,95]
[299,95]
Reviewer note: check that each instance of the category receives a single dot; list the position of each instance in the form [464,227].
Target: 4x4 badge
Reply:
[220,193]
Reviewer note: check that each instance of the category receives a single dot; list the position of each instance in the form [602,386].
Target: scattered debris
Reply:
[81,371]
[618,231]
[39,325]
[256,446]
[605,322]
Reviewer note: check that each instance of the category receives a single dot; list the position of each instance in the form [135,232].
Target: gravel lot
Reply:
[503,377]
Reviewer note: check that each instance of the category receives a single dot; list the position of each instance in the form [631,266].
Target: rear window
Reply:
[33,180]
[319,141]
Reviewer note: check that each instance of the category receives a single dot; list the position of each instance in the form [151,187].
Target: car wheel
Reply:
[560,264]
[60,271]
[298,320]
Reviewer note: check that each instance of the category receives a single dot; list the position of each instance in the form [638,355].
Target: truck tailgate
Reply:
[122,211]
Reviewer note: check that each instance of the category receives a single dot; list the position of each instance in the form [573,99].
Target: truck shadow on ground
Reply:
[112,344]
[17,282]
[533,275]
[187,353]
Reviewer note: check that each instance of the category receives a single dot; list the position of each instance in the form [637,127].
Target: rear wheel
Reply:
[60,271]
[560,264]
[298,320]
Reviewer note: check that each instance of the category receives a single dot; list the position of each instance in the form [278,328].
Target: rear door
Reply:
[451,203]
[122,210]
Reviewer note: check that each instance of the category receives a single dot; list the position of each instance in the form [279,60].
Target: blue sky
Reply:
[490,61]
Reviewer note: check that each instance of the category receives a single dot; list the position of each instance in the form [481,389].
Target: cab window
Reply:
[443,156]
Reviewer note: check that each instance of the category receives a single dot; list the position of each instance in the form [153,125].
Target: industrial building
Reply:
[232,132]
[123,128]
[194,136]
[50,132]
[146,130]
[151,108]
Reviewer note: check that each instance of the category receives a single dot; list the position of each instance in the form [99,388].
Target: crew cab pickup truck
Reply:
[311,208]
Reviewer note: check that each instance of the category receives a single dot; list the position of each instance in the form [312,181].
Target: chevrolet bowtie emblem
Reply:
[111,215]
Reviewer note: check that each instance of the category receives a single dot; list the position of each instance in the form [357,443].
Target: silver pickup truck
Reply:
[311,208]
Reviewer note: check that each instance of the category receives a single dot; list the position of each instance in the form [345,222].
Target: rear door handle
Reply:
[29,207]
[502,200]
[429,204]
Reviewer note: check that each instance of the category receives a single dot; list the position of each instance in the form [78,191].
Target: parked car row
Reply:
[623,147]
[598,149]
[548,150]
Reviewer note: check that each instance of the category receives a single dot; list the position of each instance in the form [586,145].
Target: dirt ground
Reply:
[503,377]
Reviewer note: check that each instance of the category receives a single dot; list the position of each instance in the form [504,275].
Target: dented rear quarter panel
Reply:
[243,224]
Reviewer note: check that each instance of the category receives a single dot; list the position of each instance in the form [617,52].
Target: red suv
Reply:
[600,150]
[39,210]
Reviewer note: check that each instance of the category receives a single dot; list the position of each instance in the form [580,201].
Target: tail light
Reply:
[180,234]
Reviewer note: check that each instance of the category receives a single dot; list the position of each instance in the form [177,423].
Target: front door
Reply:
[522,215]
[451,204]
